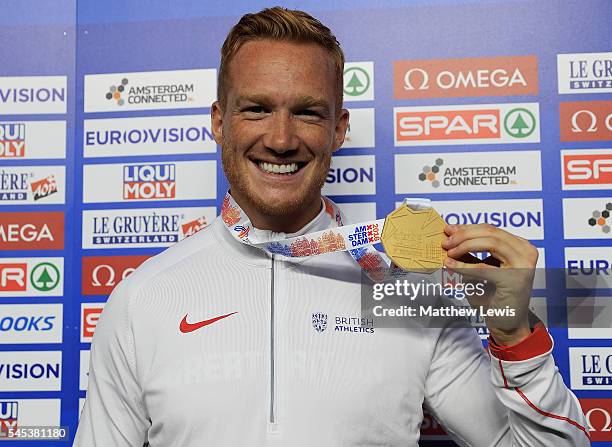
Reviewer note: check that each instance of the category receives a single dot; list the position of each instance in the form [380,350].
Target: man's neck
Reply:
[289,223]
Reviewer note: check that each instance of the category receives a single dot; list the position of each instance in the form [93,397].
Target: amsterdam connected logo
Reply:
[45,277]
[430,173]
[356,81]
[115,91]
[600,218]
[519,123]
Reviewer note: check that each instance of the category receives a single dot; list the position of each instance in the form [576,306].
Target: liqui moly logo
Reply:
[9,415]
[32,140]
[149,181]
[12,140]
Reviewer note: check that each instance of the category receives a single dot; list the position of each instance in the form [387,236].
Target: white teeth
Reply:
[278,169]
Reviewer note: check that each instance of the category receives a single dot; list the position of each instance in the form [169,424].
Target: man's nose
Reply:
[280,135]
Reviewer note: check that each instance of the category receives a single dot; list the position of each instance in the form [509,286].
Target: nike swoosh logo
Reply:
[190,327]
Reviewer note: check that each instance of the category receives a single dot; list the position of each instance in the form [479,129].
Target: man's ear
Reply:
[216,117]
[342,123]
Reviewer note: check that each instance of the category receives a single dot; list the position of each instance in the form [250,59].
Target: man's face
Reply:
[279,126]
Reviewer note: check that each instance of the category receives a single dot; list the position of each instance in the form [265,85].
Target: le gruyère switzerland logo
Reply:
[319,321]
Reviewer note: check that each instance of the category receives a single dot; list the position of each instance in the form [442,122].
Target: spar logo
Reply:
[598,413]
[32,231]
[588,267]
[587,169]
[115,91]
[364,235]
[358,81]
[586,121]
[600,218]
[12,140]
[33,95]
[9,416]
[30,371]
[469,124]
[90,314]
[149,181]
[101,274]
[31,276]
[584,73]
[591,368]
[485,76]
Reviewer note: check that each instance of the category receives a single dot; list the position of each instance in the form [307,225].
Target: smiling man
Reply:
[223,341]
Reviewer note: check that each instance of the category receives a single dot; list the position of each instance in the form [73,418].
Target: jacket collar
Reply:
[260,257]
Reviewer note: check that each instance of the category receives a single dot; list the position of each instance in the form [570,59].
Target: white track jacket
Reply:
[212,343]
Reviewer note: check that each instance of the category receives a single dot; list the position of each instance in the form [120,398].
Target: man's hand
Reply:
[508,272]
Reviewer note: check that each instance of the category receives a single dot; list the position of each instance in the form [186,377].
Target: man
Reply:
[212,342]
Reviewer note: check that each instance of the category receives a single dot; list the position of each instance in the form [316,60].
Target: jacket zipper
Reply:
[272,416]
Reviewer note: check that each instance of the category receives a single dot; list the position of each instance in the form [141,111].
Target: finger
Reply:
[478,271]
[464,232]
[502,251]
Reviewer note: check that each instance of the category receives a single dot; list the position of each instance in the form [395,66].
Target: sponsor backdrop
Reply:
[499,112]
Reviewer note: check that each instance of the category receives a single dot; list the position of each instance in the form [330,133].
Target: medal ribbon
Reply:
[358,239]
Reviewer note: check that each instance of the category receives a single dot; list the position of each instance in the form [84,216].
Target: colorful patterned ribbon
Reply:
[358,239]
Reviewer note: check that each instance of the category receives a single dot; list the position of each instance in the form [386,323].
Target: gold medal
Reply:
[413,239]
